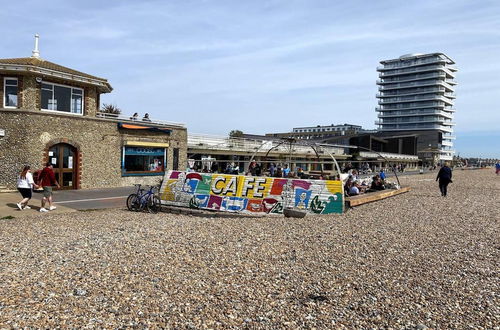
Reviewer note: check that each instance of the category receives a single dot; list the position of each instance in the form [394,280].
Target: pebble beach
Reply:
[413,261]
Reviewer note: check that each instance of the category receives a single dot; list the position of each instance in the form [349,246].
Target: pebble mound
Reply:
[414,261]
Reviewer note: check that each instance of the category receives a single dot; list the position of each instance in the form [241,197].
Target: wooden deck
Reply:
[374,196]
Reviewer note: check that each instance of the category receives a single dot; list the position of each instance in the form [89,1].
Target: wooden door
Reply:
[63,158]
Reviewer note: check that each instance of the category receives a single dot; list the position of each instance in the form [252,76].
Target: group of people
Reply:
[280,171]
[45,180]
[135,116]
[353,186]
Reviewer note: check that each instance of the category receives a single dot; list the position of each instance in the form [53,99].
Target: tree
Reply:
[235,133]
[110,108]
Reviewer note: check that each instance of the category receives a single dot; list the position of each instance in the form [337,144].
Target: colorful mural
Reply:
[251,194]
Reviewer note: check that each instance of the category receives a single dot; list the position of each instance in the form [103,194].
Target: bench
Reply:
[374,196]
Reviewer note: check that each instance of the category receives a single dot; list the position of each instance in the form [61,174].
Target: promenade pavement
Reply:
[87,199]
[67,201]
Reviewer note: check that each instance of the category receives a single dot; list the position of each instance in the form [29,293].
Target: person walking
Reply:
[25,184]
[47,179]
[444,177]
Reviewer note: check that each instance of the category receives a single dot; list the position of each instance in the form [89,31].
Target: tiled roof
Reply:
[37,62]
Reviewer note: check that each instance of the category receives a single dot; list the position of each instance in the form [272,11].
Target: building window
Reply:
[62,98]
[10,92]
[138,161]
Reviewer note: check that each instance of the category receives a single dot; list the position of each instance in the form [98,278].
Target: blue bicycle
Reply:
[144,200]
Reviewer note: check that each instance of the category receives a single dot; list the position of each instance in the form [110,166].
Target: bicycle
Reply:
[144,200]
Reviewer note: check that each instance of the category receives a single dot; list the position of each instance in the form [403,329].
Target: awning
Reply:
[144,128]
[146,144]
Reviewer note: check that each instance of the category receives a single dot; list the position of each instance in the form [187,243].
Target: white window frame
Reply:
[4,94]
[59,111]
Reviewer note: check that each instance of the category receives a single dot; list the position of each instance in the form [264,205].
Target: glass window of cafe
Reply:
[139,161]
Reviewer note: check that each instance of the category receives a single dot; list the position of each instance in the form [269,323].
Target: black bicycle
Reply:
[144,200]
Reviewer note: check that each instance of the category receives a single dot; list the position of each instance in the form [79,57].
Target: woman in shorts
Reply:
[24,185]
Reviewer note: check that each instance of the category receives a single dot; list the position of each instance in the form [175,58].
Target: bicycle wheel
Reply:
[153,204]
[133,203]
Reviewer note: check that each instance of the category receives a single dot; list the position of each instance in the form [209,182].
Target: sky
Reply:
[265,66]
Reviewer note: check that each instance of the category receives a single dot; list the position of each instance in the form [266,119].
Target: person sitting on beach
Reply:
[354,190]
[377,183]
[354,175]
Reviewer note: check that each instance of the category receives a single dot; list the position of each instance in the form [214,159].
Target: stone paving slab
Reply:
[8,206]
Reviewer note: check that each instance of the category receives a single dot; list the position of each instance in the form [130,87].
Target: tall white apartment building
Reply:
[416,93]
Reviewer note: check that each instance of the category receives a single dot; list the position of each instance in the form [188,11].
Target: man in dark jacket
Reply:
[47,179]
[444,177]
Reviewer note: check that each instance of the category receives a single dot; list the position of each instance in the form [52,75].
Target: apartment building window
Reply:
[10,92]
[62,98]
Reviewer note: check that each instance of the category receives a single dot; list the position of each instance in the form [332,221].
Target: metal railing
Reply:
[430,82]
[131,119]
[388,155]
[221,143]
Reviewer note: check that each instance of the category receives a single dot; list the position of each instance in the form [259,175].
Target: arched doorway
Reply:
[63,158]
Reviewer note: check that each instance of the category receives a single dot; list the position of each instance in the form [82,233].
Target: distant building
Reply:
[319,132]
[216,153]
[416,96]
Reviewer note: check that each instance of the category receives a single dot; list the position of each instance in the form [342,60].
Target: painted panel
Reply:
[251,194]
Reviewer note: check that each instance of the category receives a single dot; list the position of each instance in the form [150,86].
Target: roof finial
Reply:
[36,52]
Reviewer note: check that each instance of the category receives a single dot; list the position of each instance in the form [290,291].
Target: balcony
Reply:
[406,64]
[392,114]
[405,99]
[129,119]
[433,82]
[412,91]
[403,120]
[399,72]
[411,78]
[413,127]
[409,106]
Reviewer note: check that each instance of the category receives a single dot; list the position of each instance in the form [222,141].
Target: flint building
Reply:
[49,112]
[416,96]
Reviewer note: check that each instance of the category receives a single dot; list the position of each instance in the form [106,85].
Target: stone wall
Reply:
[1,90]
[29,134]
[30,94]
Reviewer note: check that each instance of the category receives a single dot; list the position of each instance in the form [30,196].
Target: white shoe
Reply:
[52,208]
[27,207]
[19,206]
[43,209]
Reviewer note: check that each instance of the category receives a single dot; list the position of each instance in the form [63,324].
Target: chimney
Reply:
[36,52]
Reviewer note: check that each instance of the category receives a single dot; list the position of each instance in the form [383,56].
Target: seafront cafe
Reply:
[51,113]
